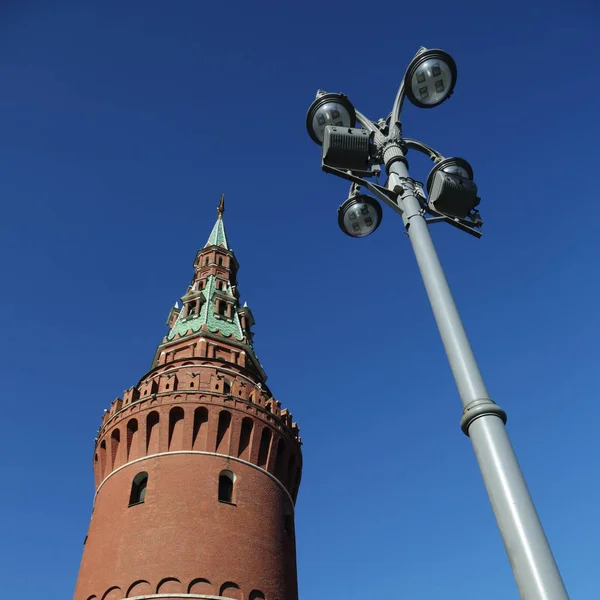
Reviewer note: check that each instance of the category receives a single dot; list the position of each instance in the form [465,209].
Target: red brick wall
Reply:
[181,539]
[182,533]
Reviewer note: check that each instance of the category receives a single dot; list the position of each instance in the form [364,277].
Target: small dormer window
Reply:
[192,308]
[222,308]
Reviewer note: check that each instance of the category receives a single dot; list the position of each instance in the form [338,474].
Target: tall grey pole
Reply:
[529,553]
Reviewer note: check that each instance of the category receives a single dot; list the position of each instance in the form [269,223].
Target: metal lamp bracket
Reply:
[385,195]
[462,224]
[390,198]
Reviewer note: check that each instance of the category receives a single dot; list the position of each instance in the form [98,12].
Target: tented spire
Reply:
[217,235]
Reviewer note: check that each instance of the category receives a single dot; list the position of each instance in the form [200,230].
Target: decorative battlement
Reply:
[208,421]
[270,410]
[191,379]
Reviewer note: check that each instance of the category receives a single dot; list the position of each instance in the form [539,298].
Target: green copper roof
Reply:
[208,315]
[217,236]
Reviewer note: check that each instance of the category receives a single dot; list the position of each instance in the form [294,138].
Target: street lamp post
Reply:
[356,154]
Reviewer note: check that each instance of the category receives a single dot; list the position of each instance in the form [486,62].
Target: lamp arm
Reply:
[379,138]
[399,101]
[397,109]
[424,148]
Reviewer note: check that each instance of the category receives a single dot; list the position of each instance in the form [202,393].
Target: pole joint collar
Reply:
[391,152]
[481,407]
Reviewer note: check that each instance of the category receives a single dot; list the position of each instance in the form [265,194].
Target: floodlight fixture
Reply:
[329,109]
[451,188]
[430,78]
[359,216]
[347,148]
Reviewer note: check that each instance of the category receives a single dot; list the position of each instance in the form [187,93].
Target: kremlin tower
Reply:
[197,468]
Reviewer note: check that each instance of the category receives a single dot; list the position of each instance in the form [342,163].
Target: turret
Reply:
[197,467]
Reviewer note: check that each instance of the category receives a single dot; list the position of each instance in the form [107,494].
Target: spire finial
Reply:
[221,207]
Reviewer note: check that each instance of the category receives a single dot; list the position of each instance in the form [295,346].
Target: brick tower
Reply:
[197,468]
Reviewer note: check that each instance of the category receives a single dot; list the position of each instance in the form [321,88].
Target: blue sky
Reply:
[121,123]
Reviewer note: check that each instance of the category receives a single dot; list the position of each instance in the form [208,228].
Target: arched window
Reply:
[288,520]
[296,483]
[132,439]
[152,437]
[176,416]
[263,450]
[226,480]
[115,440]
[227,387]
[199,433]
[279,465]
[245,436]
[102,457]
[291,471]
[138,488]
[223,431]
[220,261]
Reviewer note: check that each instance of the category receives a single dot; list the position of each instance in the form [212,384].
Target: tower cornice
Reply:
[207,334]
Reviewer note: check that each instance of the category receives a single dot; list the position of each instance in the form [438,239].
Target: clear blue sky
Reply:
[121,123]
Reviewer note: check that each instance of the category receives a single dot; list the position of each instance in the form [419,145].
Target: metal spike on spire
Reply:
[217,236]
[221,207]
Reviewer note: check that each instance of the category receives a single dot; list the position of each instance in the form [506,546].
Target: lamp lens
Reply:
[331,113]
[431,81]
[361,219]
[457,170]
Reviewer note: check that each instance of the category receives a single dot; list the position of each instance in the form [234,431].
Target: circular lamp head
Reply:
[329,109]
[359,216]
[430,78]
[454,166]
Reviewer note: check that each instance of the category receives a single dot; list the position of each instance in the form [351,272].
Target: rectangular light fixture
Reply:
[347,148]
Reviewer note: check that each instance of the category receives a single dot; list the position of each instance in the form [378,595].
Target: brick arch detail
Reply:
[200,427]
[138,588]
[112,593]
[201,586]
[231,590]
[170,585]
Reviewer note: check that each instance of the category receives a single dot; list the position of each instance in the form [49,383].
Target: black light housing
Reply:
[451,188]
[453,165]
[359,216]
[347,148]
[329,109]
[430,78]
